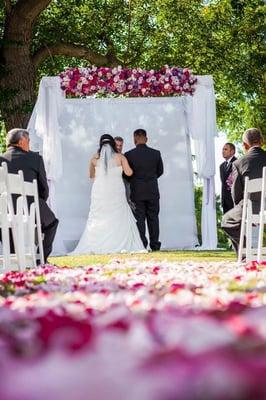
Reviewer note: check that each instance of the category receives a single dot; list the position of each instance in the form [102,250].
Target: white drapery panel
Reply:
[44,123]
[45,134]
[82,121]
[201,113]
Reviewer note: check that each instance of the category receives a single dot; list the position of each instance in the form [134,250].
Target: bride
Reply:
[111,226]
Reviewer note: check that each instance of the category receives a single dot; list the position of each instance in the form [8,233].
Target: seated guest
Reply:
[225,172]
[251,165]
[19,157]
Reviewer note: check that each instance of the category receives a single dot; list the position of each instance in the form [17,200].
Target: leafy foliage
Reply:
[224,38]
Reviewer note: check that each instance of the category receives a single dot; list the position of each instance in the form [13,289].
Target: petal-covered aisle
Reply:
[134,330]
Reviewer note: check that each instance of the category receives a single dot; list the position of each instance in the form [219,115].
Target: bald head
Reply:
[252,137]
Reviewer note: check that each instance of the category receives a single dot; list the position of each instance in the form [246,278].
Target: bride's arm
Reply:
[92,168]
[125,165]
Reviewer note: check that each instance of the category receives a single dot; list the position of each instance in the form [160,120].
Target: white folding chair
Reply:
[262,218]
[4,226]
[31,189]
[9,222]
[249,221]
[24,218]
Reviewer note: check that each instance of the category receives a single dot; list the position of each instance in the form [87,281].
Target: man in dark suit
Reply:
[119,143]
[225,171]
[147,167]
[251,165]
[19,157]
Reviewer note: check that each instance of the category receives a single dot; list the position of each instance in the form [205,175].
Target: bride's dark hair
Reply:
[107,139]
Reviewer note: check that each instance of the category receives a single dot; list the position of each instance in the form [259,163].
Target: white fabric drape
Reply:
[202,126]
[168,122]
[46,138]
[45,123]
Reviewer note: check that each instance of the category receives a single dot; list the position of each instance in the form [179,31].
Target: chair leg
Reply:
[242,235]
[260,241]
[31,227]
[20,236]
[241,242]
[40,242]
[249,236]
[5,235]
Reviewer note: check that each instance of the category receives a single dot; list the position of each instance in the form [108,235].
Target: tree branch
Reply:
[72,50]
[20,19]
[30,9]
[8,6]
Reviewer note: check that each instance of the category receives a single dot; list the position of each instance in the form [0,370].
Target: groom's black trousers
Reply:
[148,210]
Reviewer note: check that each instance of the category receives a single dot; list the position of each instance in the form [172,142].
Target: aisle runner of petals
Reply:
[134,330]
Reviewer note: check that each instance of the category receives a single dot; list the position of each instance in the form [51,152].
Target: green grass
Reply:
[216,255]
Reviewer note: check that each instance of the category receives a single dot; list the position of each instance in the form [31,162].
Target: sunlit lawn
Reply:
[217,255]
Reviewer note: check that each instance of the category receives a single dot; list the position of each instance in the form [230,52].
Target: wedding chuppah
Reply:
[66,131]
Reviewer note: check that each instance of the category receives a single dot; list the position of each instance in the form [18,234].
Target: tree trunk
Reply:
[17,80]
[17,86]
[18,66]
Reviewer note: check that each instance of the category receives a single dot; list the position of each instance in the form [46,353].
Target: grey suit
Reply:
[32,165]
[250,165]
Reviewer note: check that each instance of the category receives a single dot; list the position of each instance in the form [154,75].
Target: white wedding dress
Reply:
[111,226]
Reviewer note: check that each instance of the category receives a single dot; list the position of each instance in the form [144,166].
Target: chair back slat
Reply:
[15,183]
[254,185]
[3,177]
[29,189]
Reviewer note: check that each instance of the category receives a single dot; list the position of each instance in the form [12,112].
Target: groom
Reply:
[147,167]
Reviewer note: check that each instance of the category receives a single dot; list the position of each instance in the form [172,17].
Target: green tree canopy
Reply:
[224,38]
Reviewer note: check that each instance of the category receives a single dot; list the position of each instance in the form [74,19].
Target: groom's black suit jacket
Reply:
[147,167]
[32,165]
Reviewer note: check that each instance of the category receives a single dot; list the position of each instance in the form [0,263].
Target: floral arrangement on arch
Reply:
[136,82]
